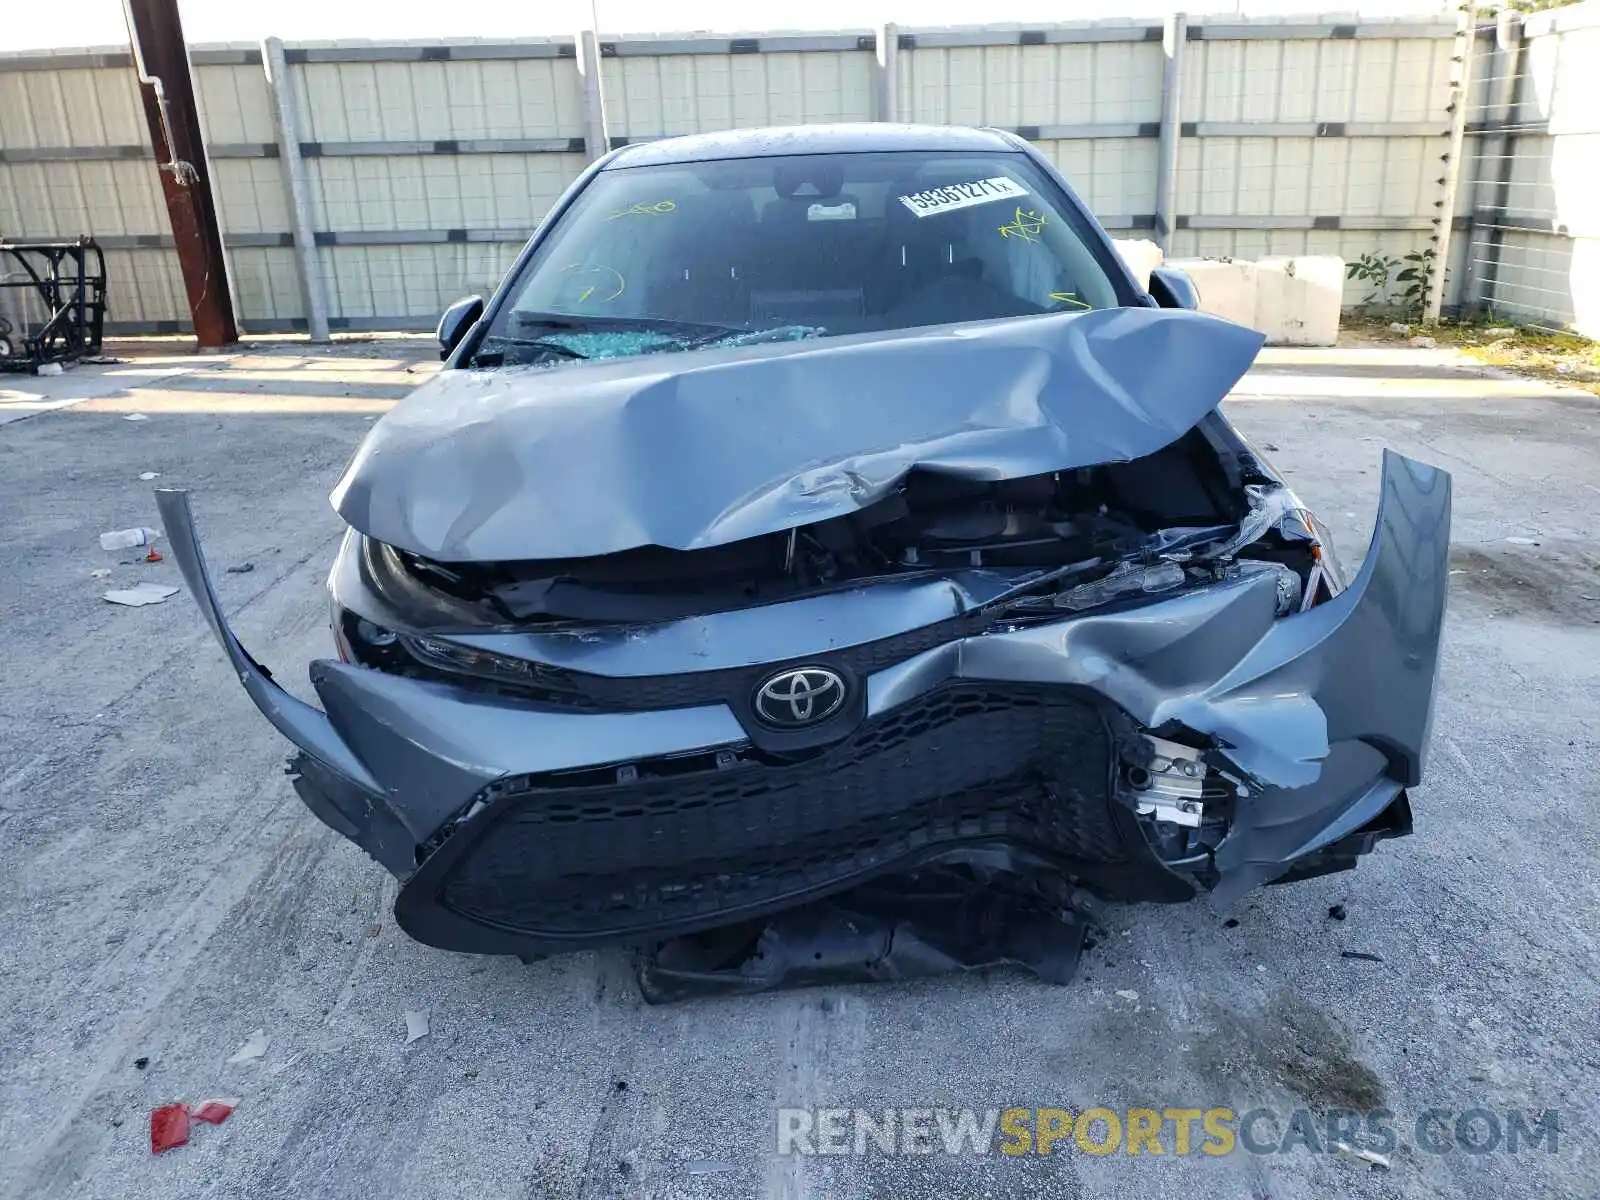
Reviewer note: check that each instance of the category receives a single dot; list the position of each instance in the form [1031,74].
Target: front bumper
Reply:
[515,830]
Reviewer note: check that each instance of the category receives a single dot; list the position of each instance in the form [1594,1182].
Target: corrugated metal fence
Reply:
[1533,251]
[425,166]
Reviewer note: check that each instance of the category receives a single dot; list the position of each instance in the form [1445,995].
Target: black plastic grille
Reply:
[562,687]
[962,764]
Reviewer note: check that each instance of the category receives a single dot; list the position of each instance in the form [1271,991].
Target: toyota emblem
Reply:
[799,697]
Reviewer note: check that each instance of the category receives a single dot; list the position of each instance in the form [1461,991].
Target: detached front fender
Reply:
[1369,658]
[305,726]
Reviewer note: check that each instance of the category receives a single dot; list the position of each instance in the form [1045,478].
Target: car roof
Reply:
[811,139]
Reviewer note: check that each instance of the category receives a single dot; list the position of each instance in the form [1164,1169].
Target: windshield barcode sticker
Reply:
[963,195]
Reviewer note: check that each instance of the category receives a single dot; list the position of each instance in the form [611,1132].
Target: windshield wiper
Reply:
[576,323]
[674,334]
[496,358]
[757,337]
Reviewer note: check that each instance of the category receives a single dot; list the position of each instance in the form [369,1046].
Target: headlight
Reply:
[424,607]
[467,660]
[365,643]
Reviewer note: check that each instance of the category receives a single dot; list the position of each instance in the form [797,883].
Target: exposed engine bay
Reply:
[1093,535]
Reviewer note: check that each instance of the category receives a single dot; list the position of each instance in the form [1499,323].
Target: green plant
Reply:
[1418,278]
[1375,271]
[1382,273]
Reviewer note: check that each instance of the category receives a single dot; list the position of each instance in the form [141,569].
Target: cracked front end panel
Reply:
[1147,748]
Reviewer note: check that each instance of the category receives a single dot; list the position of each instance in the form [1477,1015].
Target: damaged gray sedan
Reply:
[822,560]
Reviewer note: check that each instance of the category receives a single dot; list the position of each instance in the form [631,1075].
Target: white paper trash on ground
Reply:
[254,1047]
[416,1025]
[141,594]
[126,539]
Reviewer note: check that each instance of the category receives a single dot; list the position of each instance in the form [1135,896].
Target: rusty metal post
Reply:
[167,89]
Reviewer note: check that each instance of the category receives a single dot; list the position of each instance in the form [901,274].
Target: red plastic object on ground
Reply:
[169,1127]
[213,1112]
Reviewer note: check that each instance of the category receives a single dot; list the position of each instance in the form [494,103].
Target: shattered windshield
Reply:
[737,251]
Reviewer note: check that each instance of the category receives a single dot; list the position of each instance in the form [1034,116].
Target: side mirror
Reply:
[1173,288]
[457,319]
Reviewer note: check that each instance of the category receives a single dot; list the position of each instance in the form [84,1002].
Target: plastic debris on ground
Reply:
[1378,1161]
[214,1111]
[149,475]
[100,573]
[1127,993]
[169,1124]
[50,368]
[1399,327]
[416,1026]
[1522,541]
[169,1127]
[141,594]
[242,569]
[254,1047]
[280,1067]
[127,539]
[1422,342]
[135,417]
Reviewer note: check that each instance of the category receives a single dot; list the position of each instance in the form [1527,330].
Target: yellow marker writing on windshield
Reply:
[1069,298]
[1026,224]
[591,277]
[645,210]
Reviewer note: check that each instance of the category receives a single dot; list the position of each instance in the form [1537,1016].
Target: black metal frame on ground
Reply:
[69,280]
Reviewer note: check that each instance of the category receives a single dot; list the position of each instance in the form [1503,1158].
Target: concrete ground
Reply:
[163,893]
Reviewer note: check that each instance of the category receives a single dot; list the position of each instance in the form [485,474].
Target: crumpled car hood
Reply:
[697,449]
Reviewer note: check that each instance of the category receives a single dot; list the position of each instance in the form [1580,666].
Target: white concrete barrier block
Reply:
[1227,287]
[1298,299]
[1294,301]
[1583,277]
[1141,256]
